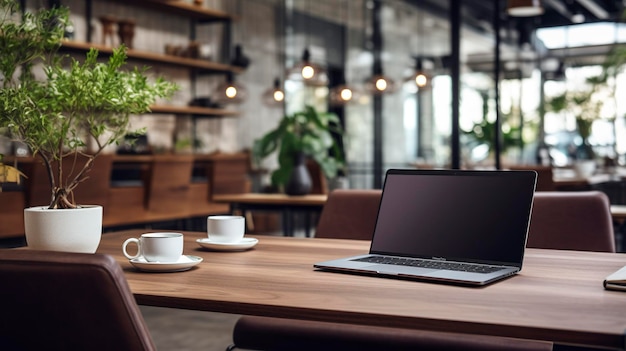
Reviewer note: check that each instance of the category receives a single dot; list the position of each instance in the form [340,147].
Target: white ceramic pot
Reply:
[69,230]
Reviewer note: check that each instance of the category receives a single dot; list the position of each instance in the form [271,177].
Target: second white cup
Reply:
[226,229]
[156,247]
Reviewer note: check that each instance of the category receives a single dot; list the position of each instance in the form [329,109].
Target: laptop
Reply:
[454,226]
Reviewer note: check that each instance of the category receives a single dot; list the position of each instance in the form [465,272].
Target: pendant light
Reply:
[306,71]
[419,76]
[378,83]
[524,8]
[274,96]
[230,92]
[344,93]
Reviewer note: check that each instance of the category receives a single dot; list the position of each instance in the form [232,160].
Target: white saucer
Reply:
[243,244]
[184,263]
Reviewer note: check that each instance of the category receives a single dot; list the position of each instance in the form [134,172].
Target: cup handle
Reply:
[128,241]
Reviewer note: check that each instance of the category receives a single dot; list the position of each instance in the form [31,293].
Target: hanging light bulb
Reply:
[308,72]
[343,94]
[380,84]
[275,95]
[230,92]
[419,77]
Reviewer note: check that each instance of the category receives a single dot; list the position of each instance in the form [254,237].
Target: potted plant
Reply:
[58,107]
[298,136]
[585,105]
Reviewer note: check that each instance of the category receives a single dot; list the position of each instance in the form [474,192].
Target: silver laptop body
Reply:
[454,226]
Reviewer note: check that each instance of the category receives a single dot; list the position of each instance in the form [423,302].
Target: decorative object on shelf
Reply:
[198,2]
[240,60]
[307,132]
[91,105]
[275,95]
[126,31]
[108,29]
[230,92]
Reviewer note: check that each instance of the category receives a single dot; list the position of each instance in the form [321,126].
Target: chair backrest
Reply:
[349,214]
[577,220]
[67,301]
[264,333]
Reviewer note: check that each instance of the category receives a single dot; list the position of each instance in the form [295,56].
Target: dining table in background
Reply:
[558,296]
[287,205]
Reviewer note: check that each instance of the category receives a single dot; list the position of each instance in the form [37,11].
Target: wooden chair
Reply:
[93,191]
[351,214]
[169,183]
[67,301]
[578,220]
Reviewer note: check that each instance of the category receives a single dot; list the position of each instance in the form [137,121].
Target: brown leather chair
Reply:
[276,334]
[349,214]
[577,220]
[67,301]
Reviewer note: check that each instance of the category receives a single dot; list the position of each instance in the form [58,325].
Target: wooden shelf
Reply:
[193,110]
[200,65]
[179,7]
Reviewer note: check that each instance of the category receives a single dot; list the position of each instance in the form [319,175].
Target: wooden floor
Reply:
[184,330]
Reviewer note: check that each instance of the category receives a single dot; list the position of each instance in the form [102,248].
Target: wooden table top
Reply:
[558,295]
[273,199]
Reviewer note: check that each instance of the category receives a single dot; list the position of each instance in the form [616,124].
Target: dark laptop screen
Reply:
[476,216]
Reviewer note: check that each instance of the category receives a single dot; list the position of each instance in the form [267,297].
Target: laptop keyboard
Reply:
[451,266]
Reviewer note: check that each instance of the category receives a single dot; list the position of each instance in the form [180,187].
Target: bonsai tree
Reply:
[306,132]
[58,105]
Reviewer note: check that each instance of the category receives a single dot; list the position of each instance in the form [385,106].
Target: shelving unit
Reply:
[201,66]
[196,15]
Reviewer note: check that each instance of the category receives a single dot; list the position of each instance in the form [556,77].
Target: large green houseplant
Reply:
[58,105]
[305,133]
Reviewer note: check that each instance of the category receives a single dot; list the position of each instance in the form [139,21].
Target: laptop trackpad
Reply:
[395,270]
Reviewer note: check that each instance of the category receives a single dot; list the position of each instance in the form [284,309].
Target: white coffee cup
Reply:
[156,247]
[226,229]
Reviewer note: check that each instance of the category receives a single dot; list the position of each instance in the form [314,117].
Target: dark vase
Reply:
[300,182]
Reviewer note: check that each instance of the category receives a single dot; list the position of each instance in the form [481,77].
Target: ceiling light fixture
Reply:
[524,8]
[230,92]
[344,93]
[420,77]
[379,83]
[275,95]
[308,72]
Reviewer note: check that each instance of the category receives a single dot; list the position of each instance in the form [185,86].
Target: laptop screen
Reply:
[474,216]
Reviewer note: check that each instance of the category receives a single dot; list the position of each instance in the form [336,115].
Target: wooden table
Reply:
[558,296]
[287,205]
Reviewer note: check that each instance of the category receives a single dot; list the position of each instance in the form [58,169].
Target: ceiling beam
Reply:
[594,8]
